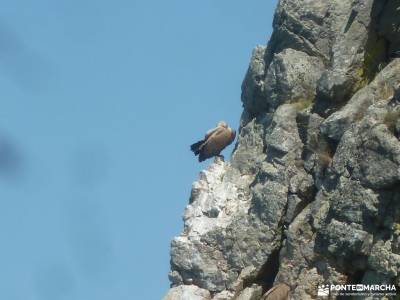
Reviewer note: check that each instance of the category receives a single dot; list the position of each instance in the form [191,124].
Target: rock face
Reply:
[312,192]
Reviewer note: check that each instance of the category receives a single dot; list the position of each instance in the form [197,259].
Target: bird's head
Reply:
[222,124]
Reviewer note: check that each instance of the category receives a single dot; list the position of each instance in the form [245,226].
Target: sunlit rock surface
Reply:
[311,194]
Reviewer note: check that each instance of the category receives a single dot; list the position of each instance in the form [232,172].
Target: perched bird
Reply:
[277,292]
[214,142]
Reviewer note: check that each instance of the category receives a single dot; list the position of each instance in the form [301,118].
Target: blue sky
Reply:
[100,101]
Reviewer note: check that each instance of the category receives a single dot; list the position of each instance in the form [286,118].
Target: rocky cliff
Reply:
[311,194]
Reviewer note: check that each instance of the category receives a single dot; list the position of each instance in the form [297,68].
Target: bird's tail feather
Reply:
[196,147]
[202,157]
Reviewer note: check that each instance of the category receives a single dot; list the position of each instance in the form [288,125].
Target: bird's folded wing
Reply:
[210,132]
[218,140]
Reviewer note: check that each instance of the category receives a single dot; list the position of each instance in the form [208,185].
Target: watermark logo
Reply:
[323,290]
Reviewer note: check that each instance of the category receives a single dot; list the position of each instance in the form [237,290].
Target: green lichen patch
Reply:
[303,103]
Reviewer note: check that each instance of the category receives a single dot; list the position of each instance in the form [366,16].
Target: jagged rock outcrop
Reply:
[311,194]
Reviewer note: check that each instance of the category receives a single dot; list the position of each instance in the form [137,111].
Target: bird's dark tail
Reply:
[196,147]
[202,157]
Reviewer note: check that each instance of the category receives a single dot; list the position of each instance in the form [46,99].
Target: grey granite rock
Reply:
[311,194]
[346,70]
[224,295]
[253,83]
[251,293]
[187,292]
[291,76]
[381,88]
[308,26]
[249,151]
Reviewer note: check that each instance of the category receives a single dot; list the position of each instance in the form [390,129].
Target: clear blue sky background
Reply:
[100,101]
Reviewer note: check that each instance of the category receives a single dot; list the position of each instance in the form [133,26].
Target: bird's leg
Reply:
[219,157]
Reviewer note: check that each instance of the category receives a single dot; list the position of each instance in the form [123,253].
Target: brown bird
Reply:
[214,142]
[277,292]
